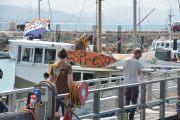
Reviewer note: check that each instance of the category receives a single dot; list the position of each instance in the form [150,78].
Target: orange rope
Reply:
[30,112]
[25,109]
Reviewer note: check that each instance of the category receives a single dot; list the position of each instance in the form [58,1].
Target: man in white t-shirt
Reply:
[132,68]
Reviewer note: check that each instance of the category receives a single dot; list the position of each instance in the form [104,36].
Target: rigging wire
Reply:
[78,20]
[72,14]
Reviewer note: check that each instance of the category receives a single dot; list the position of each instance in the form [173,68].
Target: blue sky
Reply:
[76,5]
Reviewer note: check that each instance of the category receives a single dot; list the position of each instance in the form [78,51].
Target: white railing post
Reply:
[143,101]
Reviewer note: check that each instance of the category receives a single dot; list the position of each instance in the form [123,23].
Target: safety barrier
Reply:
[114,83]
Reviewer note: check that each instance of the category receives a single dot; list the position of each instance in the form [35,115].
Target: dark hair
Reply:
[138,51]
[46,75]
[62,53]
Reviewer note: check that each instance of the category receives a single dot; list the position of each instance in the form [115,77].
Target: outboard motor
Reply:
[175,44]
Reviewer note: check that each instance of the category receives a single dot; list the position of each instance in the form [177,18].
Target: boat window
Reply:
[157,44]
[50,55]
[153,45]
[162,44]
[27,54]
[167,45]
[38,55]
[171,45]
[76,76]
[178,45]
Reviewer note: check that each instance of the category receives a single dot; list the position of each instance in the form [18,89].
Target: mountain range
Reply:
[119,16]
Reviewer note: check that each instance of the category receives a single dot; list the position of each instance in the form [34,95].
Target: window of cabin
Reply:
[162,44]
[38,55]
[171,45]
[167,45]
[27,54]
[157,45]
[50,56]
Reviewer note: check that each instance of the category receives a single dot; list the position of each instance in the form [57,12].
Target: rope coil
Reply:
[78,94]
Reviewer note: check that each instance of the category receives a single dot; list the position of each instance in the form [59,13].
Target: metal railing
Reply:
[115,84]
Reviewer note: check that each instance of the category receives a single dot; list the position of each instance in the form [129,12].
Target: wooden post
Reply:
[99,43]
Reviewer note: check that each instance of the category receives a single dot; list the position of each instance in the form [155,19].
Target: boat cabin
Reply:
[36,52]
[164,44]
[33,59]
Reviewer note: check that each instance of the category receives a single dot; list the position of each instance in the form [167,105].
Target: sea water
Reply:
[89,27]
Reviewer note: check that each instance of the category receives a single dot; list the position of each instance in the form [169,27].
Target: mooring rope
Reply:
[78,94]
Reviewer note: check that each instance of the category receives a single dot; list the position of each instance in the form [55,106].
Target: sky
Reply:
[77,5]
[117,11]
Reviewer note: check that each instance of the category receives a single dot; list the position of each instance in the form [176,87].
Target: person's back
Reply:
[61,76]
[131,70]
[60,73]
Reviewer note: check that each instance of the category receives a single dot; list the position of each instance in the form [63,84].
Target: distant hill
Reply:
[24,14]
[119,16]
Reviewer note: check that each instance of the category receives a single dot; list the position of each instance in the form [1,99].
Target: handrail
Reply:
[120,108]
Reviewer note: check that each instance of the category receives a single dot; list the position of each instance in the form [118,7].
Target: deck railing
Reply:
[115,83]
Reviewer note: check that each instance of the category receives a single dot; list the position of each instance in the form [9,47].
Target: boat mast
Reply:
[39,9]
[134,24]
[170,23]
[99,40]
